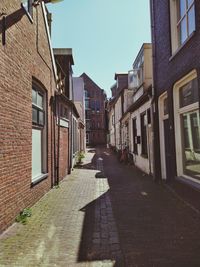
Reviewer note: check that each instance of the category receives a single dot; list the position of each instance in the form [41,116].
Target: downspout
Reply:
[58,149]
[114,128]
[54,126]
[154,105]
[53,140]
[71,143]
[71,127]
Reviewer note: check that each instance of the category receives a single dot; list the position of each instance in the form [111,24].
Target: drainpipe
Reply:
[53,143]
[58,150]
[154,105]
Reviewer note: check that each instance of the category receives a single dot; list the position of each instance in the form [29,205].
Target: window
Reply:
[28,6]
[75,135]
[39,137]
[144,134]
[37,108]
[92,102]
[64,113]
[87,138]
[185,19]
[87,104]
[97,105]
[87,115]
[135,149]
[188,93]
[87,95]
[88,127]
[187,126]
[182,14]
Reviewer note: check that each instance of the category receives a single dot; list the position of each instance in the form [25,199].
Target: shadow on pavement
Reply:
[137,222]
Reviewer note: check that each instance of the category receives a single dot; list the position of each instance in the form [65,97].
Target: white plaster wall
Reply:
[145,164]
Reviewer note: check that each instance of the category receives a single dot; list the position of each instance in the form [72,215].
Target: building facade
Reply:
[176,83]
[130,112]
[79,101]
[27,84]
[41,128]
[141,132]
[95,99]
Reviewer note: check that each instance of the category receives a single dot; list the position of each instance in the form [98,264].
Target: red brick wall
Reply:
[97,135]
[25,55]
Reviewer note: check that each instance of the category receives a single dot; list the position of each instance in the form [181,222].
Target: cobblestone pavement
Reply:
[105,214]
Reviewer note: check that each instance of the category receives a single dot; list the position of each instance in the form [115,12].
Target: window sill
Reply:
[63,122]
[195,184]
[27,13]
[39,179]
[181,46]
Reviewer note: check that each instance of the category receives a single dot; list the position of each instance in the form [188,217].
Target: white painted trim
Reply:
[162,117]
[177,121]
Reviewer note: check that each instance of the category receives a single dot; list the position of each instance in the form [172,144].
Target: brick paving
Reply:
[105,214]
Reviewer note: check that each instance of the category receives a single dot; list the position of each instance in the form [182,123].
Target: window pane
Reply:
[189,93]
[182,9]
[34,97]
[191,20]
[36,153]
[40,100]
[186,132]
[41,118]
[183,30]
[191,143]
[87,104]
[195,131]
[190,2]
[34,115]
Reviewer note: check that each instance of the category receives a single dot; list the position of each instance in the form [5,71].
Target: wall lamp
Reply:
[37,2]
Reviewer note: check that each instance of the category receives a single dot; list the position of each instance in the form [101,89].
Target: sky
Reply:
[105,35]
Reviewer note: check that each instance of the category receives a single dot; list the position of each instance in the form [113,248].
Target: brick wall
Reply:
[168,71]
[25,55]
[97,134]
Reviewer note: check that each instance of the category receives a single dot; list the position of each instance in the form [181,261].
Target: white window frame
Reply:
[162,117]
[177,122]
[43,128]
[175,22]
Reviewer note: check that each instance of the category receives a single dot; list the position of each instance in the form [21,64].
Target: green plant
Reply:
[80,156]
[23,215]
[57,186]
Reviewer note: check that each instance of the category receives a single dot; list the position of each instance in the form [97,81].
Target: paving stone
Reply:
[90,222]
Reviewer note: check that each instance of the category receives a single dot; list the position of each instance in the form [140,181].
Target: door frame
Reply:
[162,118]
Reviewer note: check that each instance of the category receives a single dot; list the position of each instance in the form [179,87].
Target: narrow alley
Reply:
[105,214]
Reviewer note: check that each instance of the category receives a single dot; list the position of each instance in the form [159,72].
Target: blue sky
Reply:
[105,35]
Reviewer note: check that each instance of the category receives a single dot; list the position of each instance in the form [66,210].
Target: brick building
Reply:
[27,84]
[176,46]
[66,114]
[95,98]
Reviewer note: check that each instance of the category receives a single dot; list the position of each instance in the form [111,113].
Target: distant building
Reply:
[79,101]
[130,112]
[67,116]
[95,99]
